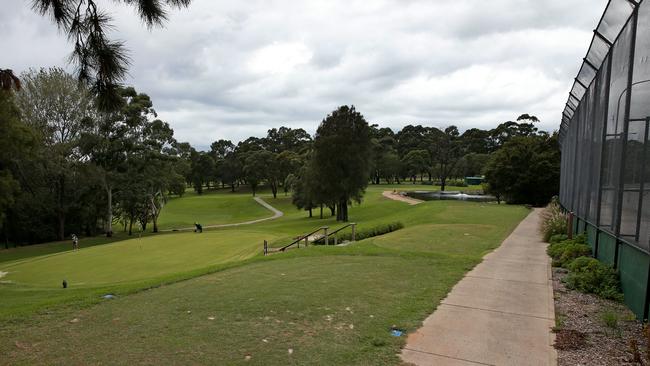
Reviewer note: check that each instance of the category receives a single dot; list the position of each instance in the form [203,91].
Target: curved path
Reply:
[276,213]
[398,197]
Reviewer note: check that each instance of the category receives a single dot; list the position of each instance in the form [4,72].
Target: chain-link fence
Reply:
[605,177]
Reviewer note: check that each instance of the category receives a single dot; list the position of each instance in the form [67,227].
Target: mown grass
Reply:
[329,305]
[210,208]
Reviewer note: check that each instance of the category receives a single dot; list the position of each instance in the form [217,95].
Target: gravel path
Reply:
[399,197]
[585,337]
[276,214]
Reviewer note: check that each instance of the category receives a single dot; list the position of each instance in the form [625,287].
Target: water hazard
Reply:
[450,195]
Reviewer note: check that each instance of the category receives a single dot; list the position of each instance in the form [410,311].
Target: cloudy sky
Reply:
[233,69]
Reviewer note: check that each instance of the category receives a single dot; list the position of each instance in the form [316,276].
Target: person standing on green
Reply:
[75,242]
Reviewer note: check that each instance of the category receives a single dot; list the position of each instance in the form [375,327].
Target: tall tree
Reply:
[525,170]
[342,154]
[54,104]
[448,150]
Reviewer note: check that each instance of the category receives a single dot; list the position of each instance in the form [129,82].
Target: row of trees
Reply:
[69,166]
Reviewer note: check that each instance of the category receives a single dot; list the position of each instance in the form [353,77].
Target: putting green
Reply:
[135,259]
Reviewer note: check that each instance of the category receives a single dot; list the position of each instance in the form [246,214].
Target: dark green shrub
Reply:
[365,233]
[558,238]
[566,251]
[589,275]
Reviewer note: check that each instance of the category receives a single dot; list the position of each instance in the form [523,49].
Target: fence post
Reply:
[336,241]
[570,226]
[353,231]
[266,248]
[326,237]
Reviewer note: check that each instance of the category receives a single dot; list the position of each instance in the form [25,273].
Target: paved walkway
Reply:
[398,197]
[276,213]
[501,313]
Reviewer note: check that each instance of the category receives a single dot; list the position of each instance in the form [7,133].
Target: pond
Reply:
[450,195]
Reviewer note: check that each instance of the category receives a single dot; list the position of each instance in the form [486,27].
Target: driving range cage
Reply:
[605,180]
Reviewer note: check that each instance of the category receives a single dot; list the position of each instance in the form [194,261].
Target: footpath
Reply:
[500,313]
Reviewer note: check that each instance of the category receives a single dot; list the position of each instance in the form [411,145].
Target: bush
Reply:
[566,251]
[366,233]
[554,221]
[591,276]
[558,238]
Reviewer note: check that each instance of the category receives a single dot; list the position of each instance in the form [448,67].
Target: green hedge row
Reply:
[586,274]
[365,233]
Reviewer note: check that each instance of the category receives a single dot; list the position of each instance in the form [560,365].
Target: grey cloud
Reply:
[472,63]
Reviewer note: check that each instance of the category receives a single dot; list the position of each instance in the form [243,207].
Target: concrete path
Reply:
[396,196]
[501,313]
[276,213]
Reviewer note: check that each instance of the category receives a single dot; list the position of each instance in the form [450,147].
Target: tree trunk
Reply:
[332,210]
[443,183]
[274,189]
[130,226]
[343,210]
[232,187]
[321,210]
[109,214]
[310,214]
[60,210]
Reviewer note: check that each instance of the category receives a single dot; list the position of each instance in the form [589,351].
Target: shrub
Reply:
[554,221]
[365,233]
[558,238]
[591,276]
[566,251]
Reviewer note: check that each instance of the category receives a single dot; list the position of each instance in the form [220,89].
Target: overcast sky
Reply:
[233,69]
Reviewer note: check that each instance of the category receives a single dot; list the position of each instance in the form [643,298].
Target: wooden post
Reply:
[326,237]
[336,240]
[306,241]
[266,248]
[353,231]
[569,231]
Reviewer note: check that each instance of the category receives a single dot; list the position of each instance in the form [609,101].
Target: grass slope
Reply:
[330,305]
[210,208]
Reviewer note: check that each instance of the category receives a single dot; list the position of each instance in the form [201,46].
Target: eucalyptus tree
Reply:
[342,157]
[55,105]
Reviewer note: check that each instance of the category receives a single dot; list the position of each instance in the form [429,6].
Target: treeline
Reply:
[67,167]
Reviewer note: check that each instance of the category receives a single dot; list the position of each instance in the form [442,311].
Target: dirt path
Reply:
[501,313]
[276,213]
[396,196]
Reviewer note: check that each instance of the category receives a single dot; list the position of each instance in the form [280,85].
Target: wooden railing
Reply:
[325,236]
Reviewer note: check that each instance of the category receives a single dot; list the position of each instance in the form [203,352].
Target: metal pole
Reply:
[626,117]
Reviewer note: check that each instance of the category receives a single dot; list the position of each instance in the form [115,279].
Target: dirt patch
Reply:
[594,331]
[398,196]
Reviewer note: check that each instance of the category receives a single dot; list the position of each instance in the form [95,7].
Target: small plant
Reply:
[559,322]
[591,276]
[558,238]
[566,251]
[610,319]
[554,221]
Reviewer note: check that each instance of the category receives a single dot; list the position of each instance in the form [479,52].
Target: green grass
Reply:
[210,208]
[305,299]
